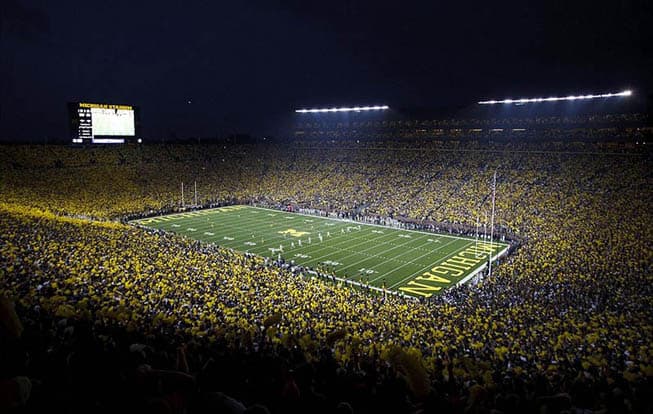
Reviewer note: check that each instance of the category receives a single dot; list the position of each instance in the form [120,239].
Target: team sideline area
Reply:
[414,263]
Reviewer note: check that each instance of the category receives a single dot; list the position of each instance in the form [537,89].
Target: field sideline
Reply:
[413,263]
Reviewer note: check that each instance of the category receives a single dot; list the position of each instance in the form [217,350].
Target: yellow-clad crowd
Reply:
[563,323]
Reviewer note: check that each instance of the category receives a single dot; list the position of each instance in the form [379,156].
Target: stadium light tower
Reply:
[520,101]
[343,109]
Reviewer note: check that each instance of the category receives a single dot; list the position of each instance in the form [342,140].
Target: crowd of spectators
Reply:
[408,133]
[548,122]
[111,317]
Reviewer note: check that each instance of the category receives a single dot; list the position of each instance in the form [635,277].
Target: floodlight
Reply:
[557,98]
[343,109]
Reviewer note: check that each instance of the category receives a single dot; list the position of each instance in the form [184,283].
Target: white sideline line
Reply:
[464,279]
[361,285]
[479,269]
[328,220]
[312,215]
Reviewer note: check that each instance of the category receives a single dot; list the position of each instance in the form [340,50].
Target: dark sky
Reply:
[245,64]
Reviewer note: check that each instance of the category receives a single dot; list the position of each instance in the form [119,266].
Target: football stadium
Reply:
[372,255]
[362,256]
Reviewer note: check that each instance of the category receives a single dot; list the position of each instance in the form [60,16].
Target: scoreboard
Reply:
[98,123]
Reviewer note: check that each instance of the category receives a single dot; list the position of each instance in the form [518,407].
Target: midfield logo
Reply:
[294,233]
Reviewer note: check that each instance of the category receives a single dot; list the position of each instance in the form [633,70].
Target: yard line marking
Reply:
[347,238]
[365,241]
[377,255]
[392,259]
[414,260]
[361,261]
[432,265]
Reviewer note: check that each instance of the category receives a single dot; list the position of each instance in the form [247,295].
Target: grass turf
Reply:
[413,263]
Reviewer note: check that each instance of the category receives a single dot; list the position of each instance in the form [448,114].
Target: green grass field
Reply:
[413,263]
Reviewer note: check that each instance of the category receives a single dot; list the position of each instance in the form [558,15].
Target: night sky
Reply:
[212,67]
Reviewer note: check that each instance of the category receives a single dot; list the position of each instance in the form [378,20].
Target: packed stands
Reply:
[590,128]
[117,317]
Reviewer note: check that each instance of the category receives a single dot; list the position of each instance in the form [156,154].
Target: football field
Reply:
[413,263]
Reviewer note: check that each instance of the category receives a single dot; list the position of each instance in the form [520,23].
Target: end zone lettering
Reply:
[443,274]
